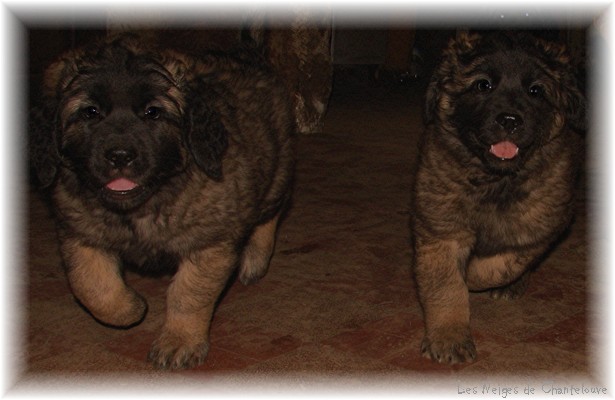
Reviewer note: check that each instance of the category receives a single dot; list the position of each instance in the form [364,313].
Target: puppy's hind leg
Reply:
[258,251]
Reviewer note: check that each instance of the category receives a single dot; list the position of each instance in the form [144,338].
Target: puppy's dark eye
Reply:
[152,112]
[90,112]
[536,91]
[483,85]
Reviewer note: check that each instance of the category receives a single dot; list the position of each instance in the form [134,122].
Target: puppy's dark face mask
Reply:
[506,111]
[124,120]
[121,133]
[499,98]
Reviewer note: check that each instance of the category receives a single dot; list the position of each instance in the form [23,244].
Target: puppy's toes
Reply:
[511,292]
[170,351]
[449,348]
[504,294]
[254,265]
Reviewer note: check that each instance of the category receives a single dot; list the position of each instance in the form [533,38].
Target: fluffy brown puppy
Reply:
[494,185]
[162,160]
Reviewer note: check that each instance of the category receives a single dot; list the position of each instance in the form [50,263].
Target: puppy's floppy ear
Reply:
[60,73]
[574,104]
[465,41]
[205,134]
[460,45]
[571,95]
[42,144]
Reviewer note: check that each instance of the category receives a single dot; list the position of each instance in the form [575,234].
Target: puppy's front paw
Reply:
[123,311]
[171,351]
[449,347]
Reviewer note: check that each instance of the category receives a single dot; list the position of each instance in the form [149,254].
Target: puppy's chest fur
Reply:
[169,225]
[512,212]
[500,193]
[157,242]
[499,214]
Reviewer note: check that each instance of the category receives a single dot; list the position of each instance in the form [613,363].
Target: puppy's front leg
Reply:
[439,266]
[184,342]
[95,279]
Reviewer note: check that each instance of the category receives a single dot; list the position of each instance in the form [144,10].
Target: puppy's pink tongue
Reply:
[504,150]
[121,185]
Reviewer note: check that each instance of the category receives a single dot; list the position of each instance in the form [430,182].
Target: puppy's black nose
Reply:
[509,121]
[120,158]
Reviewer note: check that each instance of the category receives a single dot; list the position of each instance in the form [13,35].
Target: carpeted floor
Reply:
[339,299]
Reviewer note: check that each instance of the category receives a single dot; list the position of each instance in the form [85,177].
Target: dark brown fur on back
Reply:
[161,160]
[485,211]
